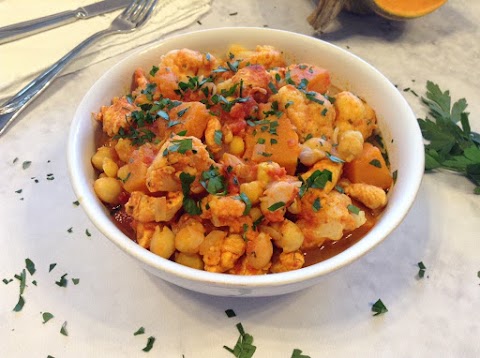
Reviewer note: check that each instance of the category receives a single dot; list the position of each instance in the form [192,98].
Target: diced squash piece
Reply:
[273,139]
[369,168]
[189,116]
[318,79]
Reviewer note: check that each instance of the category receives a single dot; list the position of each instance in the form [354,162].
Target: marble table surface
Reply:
[436,316]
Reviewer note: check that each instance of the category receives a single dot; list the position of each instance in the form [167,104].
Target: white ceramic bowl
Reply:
[395,118]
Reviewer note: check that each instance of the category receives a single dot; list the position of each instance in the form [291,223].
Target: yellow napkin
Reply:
[22,60]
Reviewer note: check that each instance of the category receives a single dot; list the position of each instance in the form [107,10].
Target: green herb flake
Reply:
[76,203]
[272,88]
[47,316]
[150,342]
[244,347]
[63,281]
[248,204]
[379,308]
[70,230]
[139,331]
[317,180]
[26,164]
[153,71]
[189,204]
[316,205]
[21,302]
[375,163]
[87,233]
[30,266]
[182,133]
[22,277]
[276,206]
[297,353]
[353,209]
[218,135]
[15,160]
[63,330]
[230,313]
[34,282]
[19,191]
[7,281]
[75,281]
[51,267]
[421,269]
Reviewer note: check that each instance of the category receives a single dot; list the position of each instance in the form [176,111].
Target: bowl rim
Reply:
[167,267]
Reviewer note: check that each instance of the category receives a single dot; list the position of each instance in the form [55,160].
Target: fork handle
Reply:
[10,110]
[30,27]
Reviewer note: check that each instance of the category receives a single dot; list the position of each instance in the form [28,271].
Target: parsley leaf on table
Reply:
[452,144]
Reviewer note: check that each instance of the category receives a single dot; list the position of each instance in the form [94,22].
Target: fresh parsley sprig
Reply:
[451,142]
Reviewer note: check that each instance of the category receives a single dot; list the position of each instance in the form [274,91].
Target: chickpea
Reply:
[107,189]
[163,242]
[227,135]
[110,168]
[189,237]
[255,214]
[292,237]
[252,190]
[190,260]
[100,155]
[259,251]
[123,173]
[237,146]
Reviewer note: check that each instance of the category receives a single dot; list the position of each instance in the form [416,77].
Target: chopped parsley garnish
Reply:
[248,204]
[150,342]
[452,144]
[317,180]
[63,330]
[182,133]
[311,96]
[76,203]
[244,347]
[30,266]
[316,205]
[75,281]
[375,163]
[153,71]
[19,191]
[15,160]
[21,302]
[276,206]
[353,209]
[334,158]
[7,281]
[87,233]
[63,281]
[139,331]
[339,189]
[217,136]
[272,88]
[180,146]
[421,269]
[46,316]
[214,182]
[22,277]
[261,141]
[189,204]
[70,230]
[297,353]
[379,308]
[51,267]
[230,313]
[26,164]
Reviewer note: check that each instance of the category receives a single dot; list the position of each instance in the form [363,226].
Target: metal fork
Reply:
[133,17]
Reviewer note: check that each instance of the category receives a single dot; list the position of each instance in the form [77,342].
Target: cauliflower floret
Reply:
[188,63]
[371,196]
[313,150]
[354,114]
[220,252]
[177,155]
[145,208]
[288,262]
[277,197]
[350,145]
[225,211]
[116,115]
[310,112]
[266,56]
[327,217]
[214,126]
